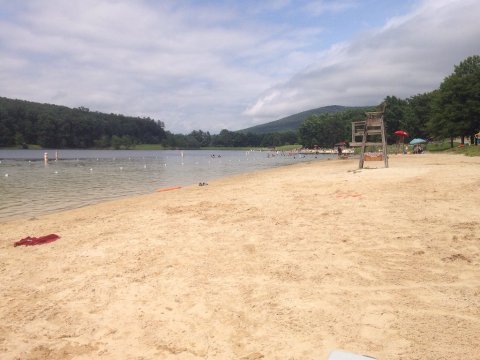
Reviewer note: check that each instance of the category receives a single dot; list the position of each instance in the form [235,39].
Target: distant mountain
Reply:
[293,122]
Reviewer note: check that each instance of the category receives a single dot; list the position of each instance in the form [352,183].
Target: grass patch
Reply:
[288,147]
[442,146]
[148,147]
[246,148]
[468,150]
[433,147]
[19,147]
[471,150]
[34,146]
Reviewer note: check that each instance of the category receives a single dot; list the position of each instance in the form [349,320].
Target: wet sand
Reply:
[287,263]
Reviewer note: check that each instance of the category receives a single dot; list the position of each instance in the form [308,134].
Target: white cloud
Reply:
[124,57]
[200,65]
[408,55]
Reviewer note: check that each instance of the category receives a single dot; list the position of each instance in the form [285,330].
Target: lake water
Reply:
[29,186]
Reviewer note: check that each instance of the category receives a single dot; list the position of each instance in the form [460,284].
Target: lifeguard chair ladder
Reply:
[373,125]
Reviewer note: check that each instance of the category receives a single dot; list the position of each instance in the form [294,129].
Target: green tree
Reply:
[288,138]
[326,130]
[192,142]
[116,142]
[456,107]
[224,138]
[103,142]
[47,131]
[202,138]
[309,130]
[418,114]
[127,141]
[6,138]
[177,141]
[19,140]
[59,126]
[397,116]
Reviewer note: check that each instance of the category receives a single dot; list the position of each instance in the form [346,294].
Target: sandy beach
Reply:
[287,263]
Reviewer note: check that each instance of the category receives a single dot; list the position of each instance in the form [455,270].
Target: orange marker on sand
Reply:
[168,189]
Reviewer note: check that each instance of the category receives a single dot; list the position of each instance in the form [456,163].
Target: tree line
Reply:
[198,138]
[451,111]
[325,130]
[52,126]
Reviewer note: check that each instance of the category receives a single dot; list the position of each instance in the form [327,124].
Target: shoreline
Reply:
[287,262]
[58,206]
[32,188]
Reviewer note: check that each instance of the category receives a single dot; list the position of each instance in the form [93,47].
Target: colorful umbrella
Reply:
[401,133]
[417,141]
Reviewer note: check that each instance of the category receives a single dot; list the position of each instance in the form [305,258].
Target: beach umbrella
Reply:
[417,141]
[400,140]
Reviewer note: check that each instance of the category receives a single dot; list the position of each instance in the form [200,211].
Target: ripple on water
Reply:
[33,188]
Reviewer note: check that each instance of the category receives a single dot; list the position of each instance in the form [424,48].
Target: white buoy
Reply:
[145,166]
[6,175]
[121,167]
[91,169]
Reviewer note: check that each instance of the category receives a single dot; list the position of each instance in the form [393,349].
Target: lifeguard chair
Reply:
[371,131]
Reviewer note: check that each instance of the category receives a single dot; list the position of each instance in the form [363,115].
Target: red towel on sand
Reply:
[29,241]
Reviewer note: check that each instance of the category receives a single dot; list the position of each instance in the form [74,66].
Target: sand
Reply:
[287,263]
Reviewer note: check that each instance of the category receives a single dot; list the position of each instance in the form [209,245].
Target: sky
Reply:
[214,65]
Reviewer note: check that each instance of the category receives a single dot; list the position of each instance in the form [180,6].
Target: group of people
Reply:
[417,149]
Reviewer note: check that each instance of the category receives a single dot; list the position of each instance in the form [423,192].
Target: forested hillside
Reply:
[53,126]
[325,130]
[452,110]
[292,122]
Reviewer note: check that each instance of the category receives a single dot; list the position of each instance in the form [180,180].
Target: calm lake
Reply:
[29,186]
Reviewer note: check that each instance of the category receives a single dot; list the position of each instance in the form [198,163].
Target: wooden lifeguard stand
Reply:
[369,131]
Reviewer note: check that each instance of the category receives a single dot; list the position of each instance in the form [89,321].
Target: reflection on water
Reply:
[29,187]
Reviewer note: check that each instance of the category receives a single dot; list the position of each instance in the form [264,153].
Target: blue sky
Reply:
[212,65]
